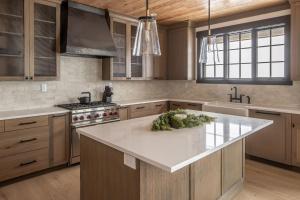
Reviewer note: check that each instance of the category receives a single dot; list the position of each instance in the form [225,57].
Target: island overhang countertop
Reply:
[173,150]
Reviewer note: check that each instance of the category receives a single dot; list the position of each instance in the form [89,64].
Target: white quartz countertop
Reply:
[271,108]
[5,115]
[173,150]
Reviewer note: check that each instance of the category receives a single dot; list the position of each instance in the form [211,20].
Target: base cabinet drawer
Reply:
[24,163]
[159,107]
[193,106]
[185,105]
[24,123]
[21,141]
[176,105]
[140,110]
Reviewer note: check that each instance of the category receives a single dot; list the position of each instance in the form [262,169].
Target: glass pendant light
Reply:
[147,41]
[209,43]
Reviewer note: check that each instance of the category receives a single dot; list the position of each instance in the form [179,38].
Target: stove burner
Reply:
[78,106]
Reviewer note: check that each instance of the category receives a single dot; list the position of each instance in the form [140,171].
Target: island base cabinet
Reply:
[104,176]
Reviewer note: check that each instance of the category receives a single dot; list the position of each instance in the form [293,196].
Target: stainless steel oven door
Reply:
[75,147]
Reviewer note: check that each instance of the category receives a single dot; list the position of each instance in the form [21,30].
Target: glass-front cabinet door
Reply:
[44,44]
[137,71]
[119,63]
[12,40]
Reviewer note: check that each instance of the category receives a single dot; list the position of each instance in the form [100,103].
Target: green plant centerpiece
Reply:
[178,119]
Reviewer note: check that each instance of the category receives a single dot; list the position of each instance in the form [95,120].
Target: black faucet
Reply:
[235,97]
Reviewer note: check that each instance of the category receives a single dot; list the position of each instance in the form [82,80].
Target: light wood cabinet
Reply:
[23,163]
[185,105]
[124,66]
[59,134]
[160,62]
[296,140]
[295,40]
[15,142]
[1,126]
[123,113]
[24,123]
[29,39]
[147,109]
[273,142]
[180,60]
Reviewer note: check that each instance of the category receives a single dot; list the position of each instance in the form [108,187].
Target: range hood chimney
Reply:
[85,31]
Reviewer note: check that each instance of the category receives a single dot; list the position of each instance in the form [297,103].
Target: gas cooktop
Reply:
[79,106]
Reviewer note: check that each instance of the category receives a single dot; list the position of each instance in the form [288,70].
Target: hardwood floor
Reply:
[263,182]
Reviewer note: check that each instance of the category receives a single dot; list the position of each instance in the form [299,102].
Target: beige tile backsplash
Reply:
[84,74]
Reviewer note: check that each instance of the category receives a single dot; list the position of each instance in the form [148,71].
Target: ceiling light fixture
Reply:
[147,41]
[209,43]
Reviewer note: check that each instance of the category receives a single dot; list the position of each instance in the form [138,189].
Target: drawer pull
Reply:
[176,105]
[268,113]
[138,108]
[27,123]
[28,163]
[29,140]
[192,105]
[158,105]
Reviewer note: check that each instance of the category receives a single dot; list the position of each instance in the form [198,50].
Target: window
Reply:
[253,53]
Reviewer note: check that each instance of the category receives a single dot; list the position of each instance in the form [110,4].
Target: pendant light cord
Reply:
[147,7]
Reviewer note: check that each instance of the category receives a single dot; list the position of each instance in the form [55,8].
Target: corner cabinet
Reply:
[124,66]
[29,39]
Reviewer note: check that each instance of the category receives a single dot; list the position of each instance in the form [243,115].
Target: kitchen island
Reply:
[127,161]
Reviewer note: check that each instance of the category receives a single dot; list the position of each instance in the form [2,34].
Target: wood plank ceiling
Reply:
[172,11]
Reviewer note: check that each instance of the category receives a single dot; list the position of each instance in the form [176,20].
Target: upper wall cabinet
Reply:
[125,66]
[29,39]
[295,38]
[181,45]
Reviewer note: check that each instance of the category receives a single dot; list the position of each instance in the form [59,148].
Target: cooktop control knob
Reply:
[89,117]
[75,118]
[81,117]
[97,115]
[104,114]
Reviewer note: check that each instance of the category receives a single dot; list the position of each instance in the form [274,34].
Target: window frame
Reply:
[254,27]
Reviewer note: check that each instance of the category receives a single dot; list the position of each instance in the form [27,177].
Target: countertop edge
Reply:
[35,113]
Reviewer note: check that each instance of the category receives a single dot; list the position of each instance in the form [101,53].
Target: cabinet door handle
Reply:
[138,108]
[29,140]
[28,163]
[293,125]
[267,113]
[189,104]
[27,123]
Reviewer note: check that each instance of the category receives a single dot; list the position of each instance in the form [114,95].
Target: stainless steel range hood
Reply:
[85,31]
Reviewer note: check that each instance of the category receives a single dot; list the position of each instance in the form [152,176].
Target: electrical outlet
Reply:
[44,87]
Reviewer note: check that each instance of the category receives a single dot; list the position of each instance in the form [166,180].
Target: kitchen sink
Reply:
[227,108]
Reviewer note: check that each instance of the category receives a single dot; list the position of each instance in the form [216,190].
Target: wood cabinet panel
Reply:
[20,141]
[123,113]
[273,142]
[185,105]
[24,163]
[295,38]
[60,140]
[296,140]
[180,60]
[160,62]
[206,173]
[159,107]
[140,110]
[23,123]
[157,184]
[232,165]
[1,126]
[106,177]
